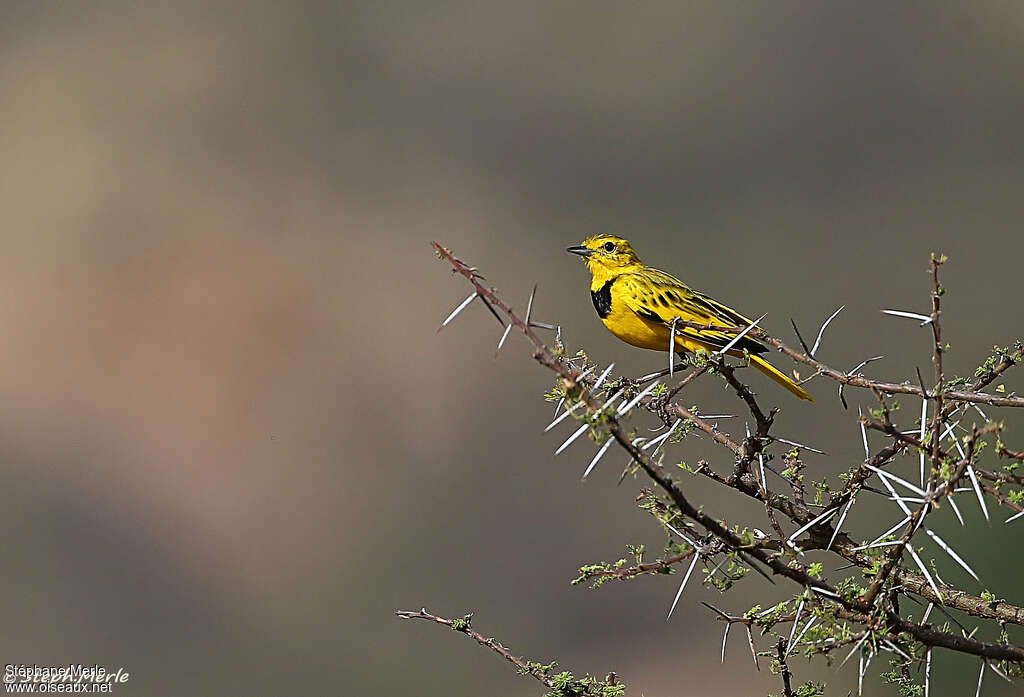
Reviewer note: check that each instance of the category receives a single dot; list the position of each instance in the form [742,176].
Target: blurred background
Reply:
[232,442]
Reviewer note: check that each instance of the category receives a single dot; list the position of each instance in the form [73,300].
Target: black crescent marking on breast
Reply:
[603,298]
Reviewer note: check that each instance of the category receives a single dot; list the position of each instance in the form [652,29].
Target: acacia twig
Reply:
[463,625]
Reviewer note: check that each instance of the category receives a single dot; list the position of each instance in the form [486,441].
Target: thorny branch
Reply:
[463,625]
[876,609]
[972,395]
[564,682]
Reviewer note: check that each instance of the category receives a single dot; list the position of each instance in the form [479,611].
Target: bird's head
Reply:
[606,255]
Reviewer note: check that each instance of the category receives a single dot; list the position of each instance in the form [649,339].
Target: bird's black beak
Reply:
[582,251]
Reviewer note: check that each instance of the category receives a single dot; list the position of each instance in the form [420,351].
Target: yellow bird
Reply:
[637,303]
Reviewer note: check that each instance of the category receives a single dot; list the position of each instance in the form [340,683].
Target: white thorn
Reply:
[802,632]
[839,525]
[600,454]
[750,641]
[460,308]
[864,435]
[956,510]
[798,445]
[924,319]
[711,573]
[611,400]
[949,550]
[924,571]
[863,363]
[890,530]
[977,490]
[888,645]
[564,416]
[948,431]
[684,536]
[821,332]
[579,432]
[823,517]
[927,671]
[739,336]
[896,497]
[867,662]
[604,374]
[1015,516]
[529,304]
[574,407]
[682,585]
[959,448]
[725,638]
[636,400]
[822,591]
[1000,673]
[796,621]
[661,440]
[889,475]
[505,336]
[854,649]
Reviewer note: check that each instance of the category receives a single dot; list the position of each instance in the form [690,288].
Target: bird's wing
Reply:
[659,297]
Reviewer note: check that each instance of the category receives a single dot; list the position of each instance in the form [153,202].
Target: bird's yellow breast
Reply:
[634,329]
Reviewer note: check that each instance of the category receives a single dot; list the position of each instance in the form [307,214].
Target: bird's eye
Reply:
[609,246]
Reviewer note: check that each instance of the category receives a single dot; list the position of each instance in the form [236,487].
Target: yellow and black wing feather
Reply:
[659,297]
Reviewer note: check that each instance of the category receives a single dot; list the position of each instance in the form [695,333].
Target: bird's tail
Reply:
[780,377]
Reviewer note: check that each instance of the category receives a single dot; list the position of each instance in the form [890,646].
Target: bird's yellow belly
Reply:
[635,330]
